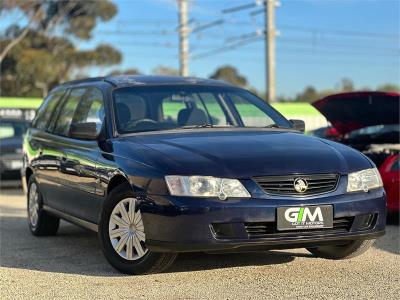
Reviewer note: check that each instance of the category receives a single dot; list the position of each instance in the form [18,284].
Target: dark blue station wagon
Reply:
[162,165]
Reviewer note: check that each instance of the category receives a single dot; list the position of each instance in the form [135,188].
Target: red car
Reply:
[369,122]
[390,172]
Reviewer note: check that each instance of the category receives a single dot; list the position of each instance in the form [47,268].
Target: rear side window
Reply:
[67,112]
[251,115]
[90,109]
[170,109]
[396,165]
[46,110]
[214,109]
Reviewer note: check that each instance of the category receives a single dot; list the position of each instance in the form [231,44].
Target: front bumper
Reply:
[181,224]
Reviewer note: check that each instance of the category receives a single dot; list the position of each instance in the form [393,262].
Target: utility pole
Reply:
[270,33]
[183,38]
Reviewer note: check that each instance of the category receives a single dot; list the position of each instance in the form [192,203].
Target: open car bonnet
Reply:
[351,111]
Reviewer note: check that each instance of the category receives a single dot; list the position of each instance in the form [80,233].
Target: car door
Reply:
[77,173]
[45,159]
[52,149]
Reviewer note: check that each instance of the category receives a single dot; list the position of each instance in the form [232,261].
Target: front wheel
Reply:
[349,250]
[39,221]
[123,238]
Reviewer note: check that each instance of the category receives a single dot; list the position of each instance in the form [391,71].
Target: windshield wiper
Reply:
[273,126]
[204,125]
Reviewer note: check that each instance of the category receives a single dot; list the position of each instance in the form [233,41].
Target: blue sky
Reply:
[319,42]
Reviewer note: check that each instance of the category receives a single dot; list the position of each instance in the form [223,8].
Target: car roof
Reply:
[146,80]
[361,93]
[355,110]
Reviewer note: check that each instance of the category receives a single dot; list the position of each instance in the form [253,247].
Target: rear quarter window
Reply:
[46,110]
[396,165]
[67,112]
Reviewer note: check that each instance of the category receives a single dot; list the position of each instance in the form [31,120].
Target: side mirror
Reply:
[298,125]
[84,131]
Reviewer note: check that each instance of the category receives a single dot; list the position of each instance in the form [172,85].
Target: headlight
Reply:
[206,186]
[364,180]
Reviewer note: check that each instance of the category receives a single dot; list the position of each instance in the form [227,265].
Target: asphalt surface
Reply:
[71,266]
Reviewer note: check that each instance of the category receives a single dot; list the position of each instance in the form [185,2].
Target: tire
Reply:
[39,221]
[349,250]
[139,260]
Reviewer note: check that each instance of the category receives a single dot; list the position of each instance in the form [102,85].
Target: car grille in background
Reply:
[284,185]
[268,229]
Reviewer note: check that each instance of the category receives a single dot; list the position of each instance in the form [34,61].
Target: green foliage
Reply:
[311,94]
[76,17]
[388,87]
[42,59]
[164,70]
[131,71]
[39,62]
[229,74]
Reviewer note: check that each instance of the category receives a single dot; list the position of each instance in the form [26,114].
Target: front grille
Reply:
[268,229]
[284,185]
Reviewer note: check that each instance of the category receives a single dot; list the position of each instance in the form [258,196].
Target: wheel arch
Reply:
[117,180]
[25,175]
[28,174]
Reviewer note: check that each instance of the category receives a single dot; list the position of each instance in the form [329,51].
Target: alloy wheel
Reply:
[126,230]
[33,204]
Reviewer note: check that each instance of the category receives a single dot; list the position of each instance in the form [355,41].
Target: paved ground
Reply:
[71,265]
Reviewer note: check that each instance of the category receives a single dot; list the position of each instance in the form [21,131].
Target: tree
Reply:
[39,62]
[229,74]
[131,71]
[309,94]
[346,85]
[164,70]
[76,18]
[388,87]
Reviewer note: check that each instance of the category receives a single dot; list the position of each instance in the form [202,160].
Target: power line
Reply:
[228,47]
[136,32]
[208,25]
[255,36]
[238,8]
[221,21]
[307,50]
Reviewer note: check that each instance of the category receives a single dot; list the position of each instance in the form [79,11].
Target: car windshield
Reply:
[139,109]
[12,129]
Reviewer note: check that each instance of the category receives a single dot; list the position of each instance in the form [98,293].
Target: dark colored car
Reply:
[369,122]
[11,132]
[162,165]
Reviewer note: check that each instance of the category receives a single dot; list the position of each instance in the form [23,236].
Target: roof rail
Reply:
[83,80]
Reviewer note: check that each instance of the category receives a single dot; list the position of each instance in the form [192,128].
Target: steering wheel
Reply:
[141,122]
[144,121]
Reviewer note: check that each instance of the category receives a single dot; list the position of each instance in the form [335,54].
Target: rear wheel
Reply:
[349,250]
[39,221]
[123,238]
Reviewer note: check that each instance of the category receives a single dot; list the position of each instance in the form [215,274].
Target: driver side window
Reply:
[90,109]
[129,110]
